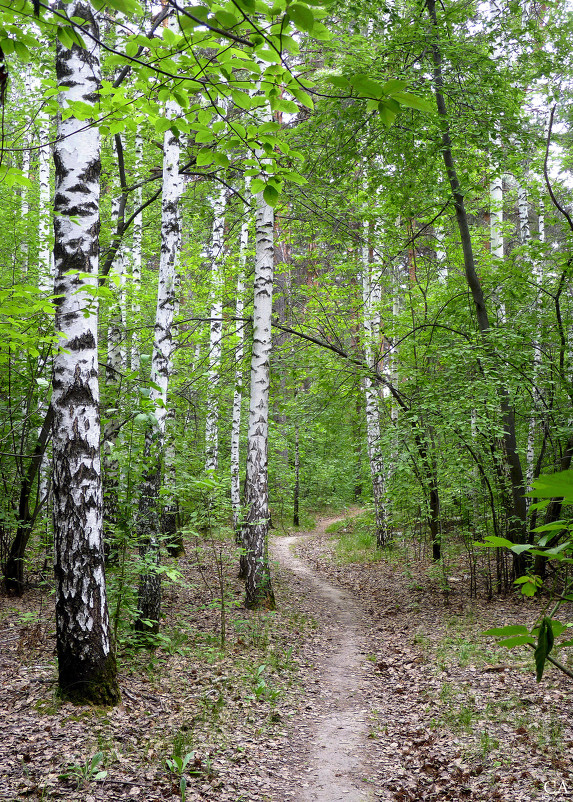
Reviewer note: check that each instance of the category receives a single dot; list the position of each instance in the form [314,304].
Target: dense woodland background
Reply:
[406,166]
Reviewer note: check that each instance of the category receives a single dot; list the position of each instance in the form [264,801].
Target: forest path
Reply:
[335,744]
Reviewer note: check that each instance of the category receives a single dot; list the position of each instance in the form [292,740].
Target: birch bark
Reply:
[371,295]
[536,367]
[86,662]
[136,254]
[238,392]
[149,595]
[215,335]
[259,591]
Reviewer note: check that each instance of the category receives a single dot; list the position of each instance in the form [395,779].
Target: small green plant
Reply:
[83,773]
[177,764]
[356,540]
[487,744]
[263,689]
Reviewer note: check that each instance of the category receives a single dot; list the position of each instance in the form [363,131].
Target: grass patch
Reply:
[355,540]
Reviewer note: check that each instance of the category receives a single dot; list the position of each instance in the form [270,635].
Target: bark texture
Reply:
[371,298]
[149,519]
[259,591]
[86,663]
[215,335]
[238,392]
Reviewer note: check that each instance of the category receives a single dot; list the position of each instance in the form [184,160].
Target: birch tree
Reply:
[215,334]
[258,586]
[371,298]
[238,391]
[149,526]
[86,661]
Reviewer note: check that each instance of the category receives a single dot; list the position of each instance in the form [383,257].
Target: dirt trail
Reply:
[336,744]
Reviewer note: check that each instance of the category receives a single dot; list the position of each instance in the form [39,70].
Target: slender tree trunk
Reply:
[518,527]
[296,493]
[149,519]
[238,393]
[116,363]
[86,661]
[259,591]
[137,235]
[215,335]
[14,567]
[371,328]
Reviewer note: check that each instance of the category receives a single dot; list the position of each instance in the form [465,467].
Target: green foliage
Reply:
[87,772]
[356,540]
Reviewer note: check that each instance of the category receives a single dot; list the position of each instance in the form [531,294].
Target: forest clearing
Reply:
[264,262]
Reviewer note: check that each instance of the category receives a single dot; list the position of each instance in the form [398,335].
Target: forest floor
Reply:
[370,682]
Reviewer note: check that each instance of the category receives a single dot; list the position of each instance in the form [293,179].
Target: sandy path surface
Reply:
[335,745]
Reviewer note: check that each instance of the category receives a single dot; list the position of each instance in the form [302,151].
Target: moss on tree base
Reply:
[99,688]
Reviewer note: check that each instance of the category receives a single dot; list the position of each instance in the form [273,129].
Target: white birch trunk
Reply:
[45,259]
[256,526]
[25,204]
[536,367]
[371,330]
[215,335]
[86,662]
[441,256]
[496,216]
[136,256]
[523,210]
[149,599]
[115,368]
[238,392]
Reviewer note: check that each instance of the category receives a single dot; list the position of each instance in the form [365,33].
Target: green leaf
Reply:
[22,51]
[201,12]
[204,136]
[64,35]
[413,101]
[321,32]
[366,86]
[519,548]
[204,157]
[241,99]
[302,97]
[544,646]
[492,541]
[271,194]
[225,18]
[280,104]
[387,113]
[220,158]
[554,485]
[302,16]
[339,81]
[510,629]
[518,640]
[393,85]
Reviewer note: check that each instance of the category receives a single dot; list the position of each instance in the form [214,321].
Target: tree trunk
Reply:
[518,527]
[14,567]
[259,591]
[371,328]
[238,392]
[149,518]
[215,335]
[86,661]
